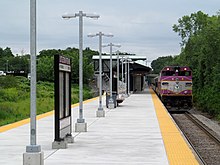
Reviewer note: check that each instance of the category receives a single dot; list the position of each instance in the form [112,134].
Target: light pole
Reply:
[100,112]
[33,153]
[126,77]
[118,72]
[111,101]
[80,126]
[33,145]
[122,73]
[129,61]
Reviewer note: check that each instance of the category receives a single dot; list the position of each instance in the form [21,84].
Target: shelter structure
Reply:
[137,69]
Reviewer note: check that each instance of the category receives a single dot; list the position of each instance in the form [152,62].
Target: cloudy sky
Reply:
[142,27]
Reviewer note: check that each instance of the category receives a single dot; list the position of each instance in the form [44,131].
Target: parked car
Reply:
[2,73]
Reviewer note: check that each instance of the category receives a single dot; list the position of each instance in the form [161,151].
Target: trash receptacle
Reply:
[114,97]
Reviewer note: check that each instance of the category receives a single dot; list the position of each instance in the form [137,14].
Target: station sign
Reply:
[62,84]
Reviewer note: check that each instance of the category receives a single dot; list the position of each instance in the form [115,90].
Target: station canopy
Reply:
[138,64]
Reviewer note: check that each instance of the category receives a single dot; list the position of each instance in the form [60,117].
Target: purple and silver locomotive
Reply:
[174,86]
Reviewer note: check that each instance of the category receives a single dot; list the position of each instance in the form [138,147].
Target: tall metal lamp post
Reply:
[129,62]
[122,72]
[80,126]
[111,101]
[33,153]
[126,77]
[100,112]
[118,71]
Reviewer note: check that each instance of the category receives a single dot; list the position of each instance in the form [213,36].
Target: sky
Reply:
[141,27]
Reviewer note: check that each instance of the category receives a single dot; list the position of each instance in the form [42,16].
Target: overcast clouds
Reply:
[142,27]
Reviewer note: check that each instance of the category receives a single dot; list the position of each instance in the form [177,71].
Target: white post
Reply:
[111,101]
[100,108]
[129,77]
[80,119]
[80,126]
[118,72]
[33,153]
[100,112]
[126,77]
[122,73]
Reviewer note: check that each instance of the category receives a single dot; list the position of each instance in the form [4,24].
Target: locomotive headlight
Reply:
[188,84]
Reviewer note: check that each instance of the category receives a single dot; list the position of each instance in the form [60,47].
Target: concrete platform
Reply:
[128,134]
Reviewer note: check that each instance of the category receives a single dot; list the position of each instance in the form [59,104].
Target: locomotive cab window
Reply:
[168,73]
[185,73]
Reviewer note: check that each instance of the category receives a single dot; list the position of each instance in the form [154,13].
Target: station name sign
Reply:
[62,102]
[64,64]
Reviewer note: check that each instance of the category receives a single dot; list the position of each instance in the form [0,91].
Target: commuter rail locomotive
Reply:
[174,86]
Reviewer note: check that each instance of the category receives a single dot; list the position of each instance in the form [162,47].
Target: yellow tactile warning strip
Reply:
[178,152]
[25,121]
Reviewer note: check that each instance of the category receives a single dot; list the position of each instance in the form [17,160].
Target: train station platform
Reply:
[139,131]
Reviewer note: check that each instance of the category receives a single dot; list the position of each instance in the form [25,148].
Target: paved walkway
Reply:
[129,134]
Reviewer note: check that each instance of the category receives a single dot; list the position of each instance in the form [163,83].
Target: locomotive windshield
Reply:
[168,73]
[178,73]
[185,73]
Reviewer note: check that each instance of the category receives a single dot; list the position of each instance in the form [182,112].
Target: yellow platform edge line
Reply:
[26,121]
[178,151]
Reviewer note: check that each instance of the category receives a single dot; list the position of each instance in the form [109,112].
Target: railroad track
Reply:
[205,144]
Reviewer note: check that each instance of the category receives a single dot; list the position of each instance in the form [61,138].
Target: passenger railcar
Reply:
[174,86]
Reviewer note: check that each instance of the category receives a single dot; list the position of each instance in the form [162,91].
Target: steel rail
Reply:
[202,161]
[202,127]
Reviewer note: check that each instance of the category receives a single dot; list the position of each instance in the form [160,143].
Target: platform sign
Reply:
[62,84]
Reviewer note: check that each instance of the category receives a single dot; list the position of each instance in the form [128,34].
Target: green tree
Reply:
[161,62]
[45,63]
[1,52]
[190,25]
[200,37]
[7,52]
[45,68]
[18,64]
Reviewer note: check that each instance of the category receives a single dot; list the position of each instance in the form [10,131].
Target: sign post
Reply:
[62,85]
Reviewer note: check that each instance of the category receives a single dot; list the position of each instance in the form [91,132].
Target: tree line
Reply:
[45,69]
[200,50]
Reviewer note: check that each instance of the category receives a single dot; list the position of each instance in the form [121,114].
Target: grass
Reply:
[15,98]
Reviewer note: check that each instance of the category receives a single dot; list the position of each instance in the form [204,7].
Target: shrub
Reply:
[15,98]
[8,82]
